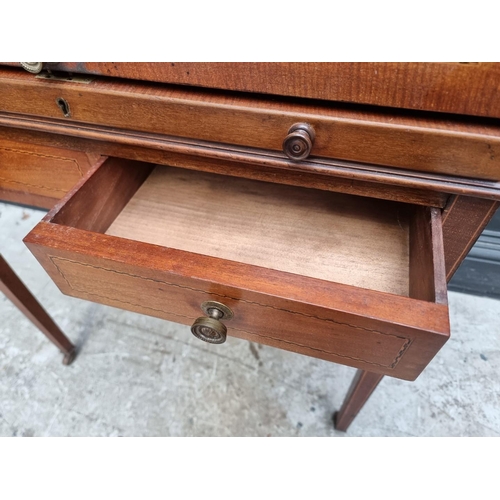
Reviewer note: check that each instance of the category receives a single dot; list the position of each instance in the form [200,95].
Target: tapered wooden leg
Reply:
[362,386]
[15,290]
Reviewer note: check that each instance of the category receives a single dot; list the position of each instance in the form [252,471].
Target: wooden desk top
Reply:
[458,88]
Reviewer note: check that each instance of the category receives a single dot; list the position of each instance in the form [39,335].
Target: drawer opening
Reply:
[343,278]
[368,243]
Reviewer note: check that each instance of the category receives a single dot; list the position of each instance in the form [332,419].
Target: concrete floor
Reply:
[140,376]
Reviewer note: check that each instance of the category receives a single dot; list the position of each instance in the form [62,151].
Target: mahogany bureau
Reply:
[317,208]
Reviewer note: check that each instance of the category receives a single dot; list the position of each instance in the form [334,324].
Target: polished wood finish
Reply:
[419,187]
[363,384]
[412,157]
[364,328]
[99,201]
[39,175]
[343,177]
[453,87]
[15,290]
[464,219]
[439,145]
[427,265]
[366,180]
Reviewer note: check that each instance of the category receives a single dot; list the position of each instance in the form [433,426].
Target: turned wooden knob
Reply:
[299,141]
[210,329]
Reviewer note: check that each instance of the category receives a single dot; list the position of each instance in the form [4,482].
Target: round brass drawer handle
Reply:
[299,141]
[32,67]
[211,329]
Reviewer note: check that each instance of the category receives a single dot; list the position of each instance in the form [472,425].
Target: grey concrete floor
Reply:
[140,376]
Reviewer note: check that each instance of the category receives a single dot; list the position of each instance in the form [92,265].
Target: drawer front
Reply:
[387,345]
[331,337]
[366,328]
[39,175]
[439,145]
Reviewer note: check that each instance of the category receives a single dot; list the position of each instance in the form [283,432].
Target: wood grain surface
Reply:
[105,194]
[382,332]
[427,264]
[463,88]
[440,145]
[464,219]
[416,157]
[334,237]
[336,175]
[362,386]
[39,175]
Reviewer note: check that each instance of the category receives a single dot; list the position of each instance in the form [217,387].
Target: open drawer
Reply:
[353,280]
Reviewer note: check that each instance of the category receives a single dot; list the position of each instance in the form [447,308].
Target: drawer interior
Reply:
[367,243]
[319,234]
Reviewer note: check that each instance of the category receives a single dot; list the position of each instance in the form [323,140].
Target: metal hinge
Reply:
[37,67]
